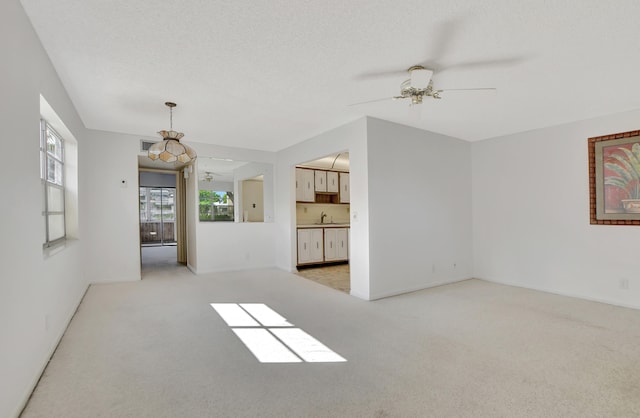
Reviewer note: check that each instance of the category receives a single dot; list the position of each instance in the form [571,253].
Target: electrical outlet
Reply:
[624,284]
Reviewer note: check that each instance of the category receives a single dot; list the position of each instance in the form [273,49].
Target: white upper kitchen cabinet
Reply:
[332,182]
[321,181]
[345,195]
[305,191]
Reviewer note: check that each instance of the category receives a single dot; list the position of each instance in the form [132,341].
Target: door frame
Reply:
[180,224]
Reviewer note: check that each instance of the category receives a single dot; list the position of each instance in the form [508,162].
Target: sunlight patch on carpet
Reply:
[270,337]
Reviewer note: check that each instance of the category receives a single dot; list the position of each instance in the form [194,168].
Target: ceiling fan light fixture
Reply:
[420,77]
[170,149]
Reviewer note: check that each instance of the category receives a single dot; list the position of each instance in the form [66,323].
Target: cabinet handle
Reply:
[342,244]
[317,245]
[331,244]
[305,245]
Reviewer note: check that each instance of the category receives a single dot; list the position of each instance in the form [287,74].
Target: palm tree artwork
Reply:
[622,173]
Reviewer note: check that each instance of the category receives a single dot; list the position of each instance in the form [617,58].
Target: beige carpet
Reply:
[159,260]
[155,348]
[336,276]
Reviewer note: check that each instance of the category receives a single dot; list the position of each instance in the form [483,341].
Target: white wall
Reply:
[225,246]
[351,137]
[110,225]
[531,215]
[38,292]
[222,246]
[419,208]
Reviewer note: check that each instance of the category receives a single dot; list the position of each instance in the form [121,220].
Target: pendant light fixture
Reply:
[170,149]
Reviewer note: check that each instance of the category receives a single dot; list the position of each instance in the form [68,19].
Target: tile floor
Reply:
[336,276]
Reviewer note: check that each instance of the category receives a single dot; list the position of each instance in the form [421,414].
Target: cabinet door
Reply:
[309,190]
[321,181]
[332,182]
[304,246]
[299,185]
[317,253]
[342,244]
[330,252]
[345,194]
[304,185]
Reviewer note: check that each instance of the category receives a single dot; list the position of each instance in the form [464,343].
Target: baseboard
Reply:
[567,294]
[359,296]
[415,288]
[20,408]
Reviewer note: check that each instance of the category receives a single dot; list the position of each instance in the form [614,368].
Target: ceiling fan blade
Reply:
[444,36]
[477,88]
[380,74]
[499,62]
[377,100]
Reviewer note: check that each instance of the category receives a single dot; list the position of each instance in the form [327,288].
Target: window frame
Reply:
[45,157]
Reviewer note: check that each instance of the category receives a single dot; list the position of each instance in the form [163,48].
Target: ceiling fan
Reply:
[209,176]
[418,86]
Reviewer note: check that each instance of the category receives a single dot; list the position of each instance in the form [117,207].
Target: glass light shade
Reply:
[420,78]
[170,149]
[171,135]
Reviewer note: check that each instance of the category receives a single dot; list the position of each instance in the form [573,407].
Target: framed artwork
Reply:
[614,179]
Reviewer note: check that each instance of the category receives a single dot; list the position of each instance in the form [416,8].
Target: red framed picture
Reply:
[614,179]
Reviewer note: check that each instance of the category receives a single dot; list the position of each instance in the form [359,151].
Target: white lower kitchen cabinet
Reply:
[336,245]
[310,248]
[342,243]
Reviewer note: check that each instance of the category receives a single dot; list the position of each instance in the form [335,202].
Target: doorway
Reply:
[162,227]
[158,216]
[323,221]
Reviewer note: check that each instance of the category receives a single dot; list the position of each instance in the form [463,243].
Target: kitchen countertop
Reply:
[324,225]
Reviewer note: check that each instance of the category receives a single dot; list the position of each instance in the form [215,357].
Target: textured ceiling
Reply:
[269,74]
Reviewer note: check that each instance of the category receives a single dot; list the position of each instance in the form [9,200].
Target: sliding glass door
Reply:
[158,215]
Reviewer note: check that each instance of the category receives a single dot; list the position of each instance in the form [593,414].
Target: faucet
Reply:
[322,216]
